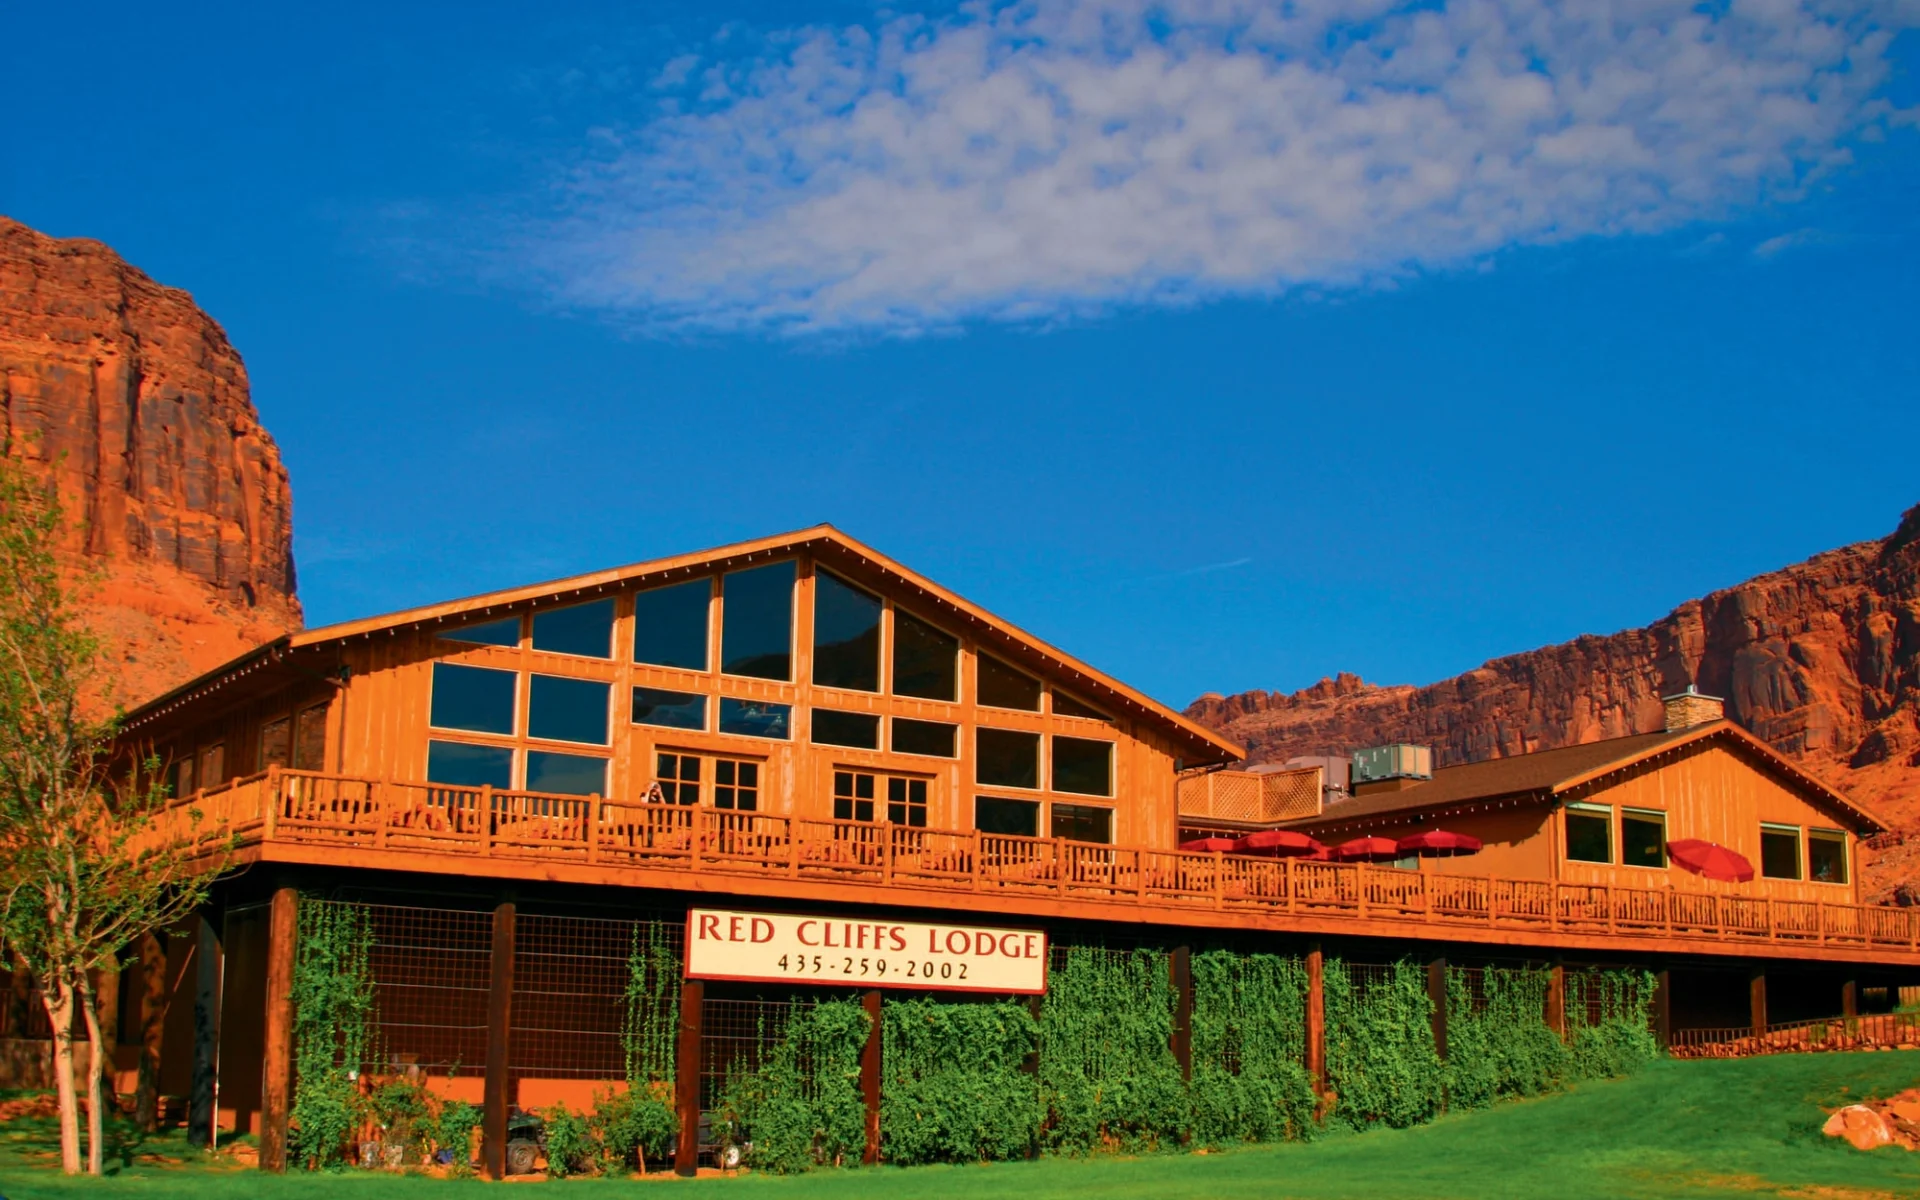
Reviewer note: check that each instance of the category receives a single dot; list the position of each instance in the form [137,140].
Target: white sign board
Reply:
[777,947]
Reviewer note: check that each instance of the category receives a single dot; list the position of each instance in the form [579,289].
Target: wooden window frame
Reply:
[1826,834]
[1604,812]
[1643,814]
[717,626]
[890,639]
[1799,835]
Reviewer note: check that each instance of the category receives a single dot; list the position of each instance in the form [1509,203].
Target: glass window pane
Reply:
[1082,766]
[925,661]
[670,710]
[560,709]
[1589,836]
[859,730]
[1003,687]
[1826,856]
[566,774]
[756,636]
[504,632]
[1006,758]
[1066,704]
[933,738]
[755,718]
[310,738]
[583,629]
[276,743]
[670,625]
[1780,853]
[1643,839]
[846,635]
[475,698]
[1010,818]
[457,764]
[213,765]
[1082,823]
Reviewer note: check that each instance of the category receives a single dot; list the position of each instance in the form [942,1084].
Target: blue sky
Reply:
[1226,347]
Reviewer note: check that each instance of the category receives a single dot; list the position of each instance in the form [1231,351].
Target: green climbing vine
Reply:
[1249,1048]
[332,1030]
[801,1107]
[1107,1072]
[640,1125]
[953,1087]
[1608,1018]
[1499,1044]
[1381,1060]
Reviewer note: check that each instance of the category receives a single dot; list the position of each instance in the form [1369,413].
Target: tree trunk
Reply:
[59,1001]
[96,1072]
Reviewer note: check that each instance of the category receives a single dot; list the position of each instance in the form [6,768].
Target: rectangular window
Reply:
[1009,818]
[678,777]
[1006,758]
[1065,704]
[310,738]
[458,764]
[670,625]
[582,629]
[669,710]
[180,777]
[846,635]
[852,796]
[276,743]
[1590,833]
[1826,855]
[1643,838]
[736,785]
[932,738]
[1003,687]
[1780,851]
[755,718]
[504,632]
[926,662]
[213,765]
[858,730]
[562,709]
[1082,766]
[907,801]
[1083,823]
[756,634]
[478,699]
[566,774]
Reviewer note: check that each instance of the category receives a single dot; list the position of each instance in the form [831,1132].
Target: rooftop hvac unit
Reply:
[1398,761]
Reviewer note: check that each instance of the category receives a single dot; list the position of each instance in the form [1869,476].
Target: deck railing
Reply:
[310,808]
[1828,1033]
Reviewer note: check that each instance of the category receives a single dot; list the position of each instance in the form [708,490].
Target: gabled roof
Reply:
[823,541]
[1556,774]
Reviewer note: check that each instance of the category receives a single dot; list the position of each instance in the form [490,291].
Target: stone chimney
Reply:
[1689,708]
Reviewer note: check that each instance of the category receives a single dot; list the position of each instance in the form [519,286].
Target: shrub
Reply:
[453,1134]
[954,1089]
[570,1145]
[635,1125]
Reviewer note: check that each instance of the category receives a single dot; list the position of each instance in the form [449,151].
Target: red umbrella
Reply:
[1277,843]
[1713,861]
[1439,843]
[1207,844]
[1367,849]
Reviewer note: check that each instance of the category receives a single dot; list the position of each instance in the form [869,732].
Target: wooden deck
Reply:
[307,817]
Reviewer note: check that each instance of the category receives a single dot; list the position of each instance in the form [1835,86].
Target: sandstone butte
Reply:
[133,403]
[1821,659]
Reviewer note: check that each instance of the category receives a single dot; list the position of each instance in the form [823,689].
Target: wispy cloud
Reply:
[1063,157]
[1775,246]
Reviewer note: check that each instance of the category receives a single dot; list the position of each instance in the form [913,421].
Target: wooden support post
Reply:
[1663,1008]
[1757,1000]
[1180,975]
[153,1025]
[686,1077]
[201,1116]
[1850,998]
[276,1069]
[498,1086]
[1557,999]
[1437,996]
[870,1076]
[1316,1019]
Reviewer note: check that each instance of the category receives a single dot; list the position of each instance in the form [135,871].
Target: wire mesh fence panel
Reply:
[737,1038]
[578,1010]
[431,970]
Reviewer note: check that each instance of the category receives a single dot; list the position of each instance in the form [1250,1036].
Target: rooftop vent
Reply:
[1385,768]
[1689,708]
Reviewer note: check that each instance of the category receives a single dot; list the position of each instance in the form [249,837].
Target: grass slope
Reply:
[1717,1128]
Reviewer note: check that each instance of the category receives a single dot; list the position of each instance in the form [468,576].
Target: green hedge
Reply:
[801,1108]
[954,1087]
[1108,1078]
[1249,1048]
[1503,1046]
[1609,1022]
[1381,1061]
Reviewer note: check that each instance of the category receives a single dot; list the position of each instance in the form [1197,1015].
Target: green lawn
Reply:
[1740,1128]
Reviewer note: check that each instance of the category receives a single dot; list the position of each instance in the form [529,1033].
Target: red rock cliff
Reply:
[1821,659]
[177,504]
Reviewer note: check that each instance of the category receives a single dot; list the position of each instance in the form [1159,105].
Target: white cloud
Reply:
[1057,159]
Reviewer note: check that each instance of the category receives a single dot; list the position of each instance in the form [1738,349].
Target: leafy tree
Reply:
[90,857]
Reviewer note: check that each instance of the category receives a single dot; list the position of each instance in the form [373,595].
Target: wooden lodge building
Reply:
[801,725]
